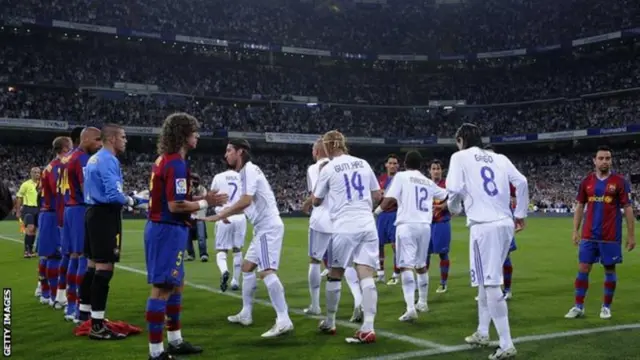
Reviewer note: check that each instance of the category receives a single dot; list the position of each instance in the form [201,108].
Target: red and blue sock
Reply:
[507,273]
[45,291]
[72,286]
[53,266]
[62,272]
[381,257]
[444,268]
[82,270]
[581,285]
[156,309]
[174,308]
[610,280]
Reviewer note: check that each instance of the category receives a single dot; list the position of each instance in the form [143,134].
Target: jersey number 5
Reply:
[488,181]
[421,198]
[355,183]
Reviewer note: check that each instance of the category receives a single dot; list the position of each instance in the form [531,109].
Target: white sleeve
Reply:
[373,180]
[249,178]
[214,184]
[519,181]
[395,189]
[309,179]
[322,185]
[438,192]
[455,183]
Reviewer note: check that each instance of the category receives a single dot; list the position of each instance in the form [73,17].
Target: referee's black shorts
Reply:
[103,233]
[30,215]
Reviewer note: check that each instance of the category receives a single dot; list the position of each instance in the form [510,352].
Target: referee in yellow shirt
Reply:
[27,209]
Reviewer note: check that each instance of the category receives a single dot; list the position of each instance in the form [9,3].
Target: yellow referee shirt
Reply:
[29,193]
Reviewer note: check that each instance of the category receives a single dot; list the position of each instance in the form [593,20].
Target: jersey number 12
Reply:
[421,198]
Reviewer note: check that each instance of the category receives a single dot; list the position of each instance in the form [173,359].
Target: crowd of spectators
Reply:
[386,26]
[94,108]
[92,60]
[553,177]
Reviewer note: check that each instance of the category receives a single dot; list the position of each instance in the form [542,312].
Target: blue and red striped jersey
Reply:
[604,199]
[444,215]
[385,180]
[49,186]
[72,179]
[169,182]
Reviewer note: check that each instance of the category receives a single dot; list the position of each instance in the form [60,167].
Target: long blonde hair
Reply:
[334,141]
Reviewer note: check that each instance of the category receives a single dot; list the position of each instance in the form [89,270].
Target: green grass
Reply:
[544,270]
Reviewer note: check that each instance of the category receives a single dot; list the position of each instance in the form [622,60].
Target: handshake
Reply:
[138,200]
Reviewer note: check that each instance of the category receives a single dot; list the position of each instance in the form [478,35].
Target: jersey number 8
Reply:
[355,183]
[488,181]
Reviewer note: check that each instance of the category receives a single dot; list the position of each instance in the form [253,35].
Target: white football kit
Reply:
[320,221]
[229,236]
[263,213]
[346,182]
[480,179]
[414,194]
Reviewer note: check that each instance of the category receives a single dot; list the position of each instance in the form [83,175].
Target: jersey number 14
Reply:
[353,184]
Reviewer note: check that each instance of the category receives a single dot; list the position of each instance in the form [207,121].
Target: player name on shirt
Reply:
[355,165]
[420,181]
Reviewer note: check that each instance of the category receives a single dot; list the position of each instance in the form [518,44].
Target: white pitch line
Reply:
[404,338]
[518,340]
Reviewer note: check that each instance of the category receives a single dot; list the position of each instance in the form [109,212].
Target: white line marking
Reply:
[408,339]
[523,339]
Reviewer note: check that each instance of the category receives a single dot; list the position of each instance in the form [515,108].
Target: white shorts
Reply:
[318,244]
[357,248]
[412,245]
[488,249]
[229,236]
[266,246]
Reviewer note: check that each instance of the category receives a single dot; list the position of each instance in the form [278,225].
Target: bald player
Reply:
[27,209]
[71,186]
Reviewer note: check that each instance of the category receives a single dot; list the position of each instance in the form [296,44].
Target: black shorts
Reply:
[30,215]
[103,233]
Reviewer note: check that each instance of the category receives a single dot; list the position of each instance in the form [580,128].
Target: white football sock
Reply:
[248,292]
[221,261]
[351,276]
[423,287]
[369,302]
[409,289]
[237,264]
[276,294]
[61,296]
[332,289]
[174,337]
[156,350]
[499,315]
[484,317]
[314,285]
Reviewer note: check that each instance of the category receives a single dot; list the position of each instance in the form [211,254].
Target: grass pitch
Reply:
[544,270]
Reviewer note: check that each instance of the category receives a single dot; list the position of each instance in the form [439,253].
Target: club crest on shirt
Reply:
[612,188]
[181,186]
